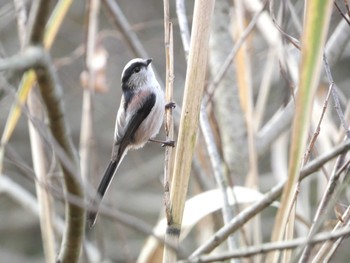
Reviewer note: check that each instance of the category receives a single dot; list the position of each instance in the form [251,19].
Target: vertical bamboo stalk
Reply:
[194,85]
[316,23]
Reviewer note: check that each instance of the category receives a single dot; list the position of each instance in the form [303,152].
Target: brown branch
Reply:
[38,16]
[51,92]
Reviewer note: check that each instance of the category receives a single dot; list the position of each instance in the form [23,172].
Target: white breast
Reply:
[150,127]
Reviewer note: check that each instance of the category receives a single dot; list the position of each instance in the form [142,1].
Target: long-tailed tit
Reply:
[139,119]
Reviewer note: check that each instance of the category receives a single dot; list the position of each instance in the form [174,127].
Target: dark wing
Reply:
[136,121]
[113,165]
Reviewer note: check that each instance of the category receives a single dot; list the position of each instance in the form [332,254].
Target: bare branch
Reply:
[51,92]
[245,215]
[32,56]
[341,13]
[336,97]
[38,16]
[267,247]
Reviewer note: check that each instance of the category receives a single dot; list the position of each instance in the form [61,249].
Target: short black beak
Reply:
[148,61]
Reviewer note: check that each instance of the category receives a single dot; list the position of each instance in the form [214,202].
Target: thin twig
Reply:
[328,246]
[347,6]
[341,13]
[330,191]
[318,127]
[335,97]
[169,121]
[329,197]
[328,201]
[336,245]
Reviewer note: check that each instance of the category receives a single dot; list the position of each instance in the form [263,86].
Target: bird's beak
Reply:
[148,61]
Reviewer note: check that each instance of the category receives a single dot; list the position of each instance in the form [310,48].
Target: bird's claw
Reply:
[168,144]
[170,105]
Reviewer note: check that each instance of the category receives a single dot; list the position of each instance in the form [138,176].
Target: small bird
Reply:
[139,118]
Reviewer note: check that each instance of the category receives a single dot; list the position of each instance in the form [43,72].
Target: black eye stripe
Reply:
[128,72]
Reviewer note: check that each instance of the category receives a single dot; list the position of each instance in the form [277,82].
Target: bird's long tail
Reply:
[102,188]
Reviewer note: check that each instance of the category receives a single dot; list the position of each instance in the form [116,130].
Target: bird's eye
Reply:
[137,69]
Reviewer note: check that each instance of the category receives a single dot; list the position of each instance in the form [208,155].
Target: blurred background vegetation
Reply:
[253,150]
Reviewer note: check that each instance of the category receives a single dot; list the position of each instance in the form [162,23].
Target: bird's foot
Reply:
[170,105]
[164,143]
